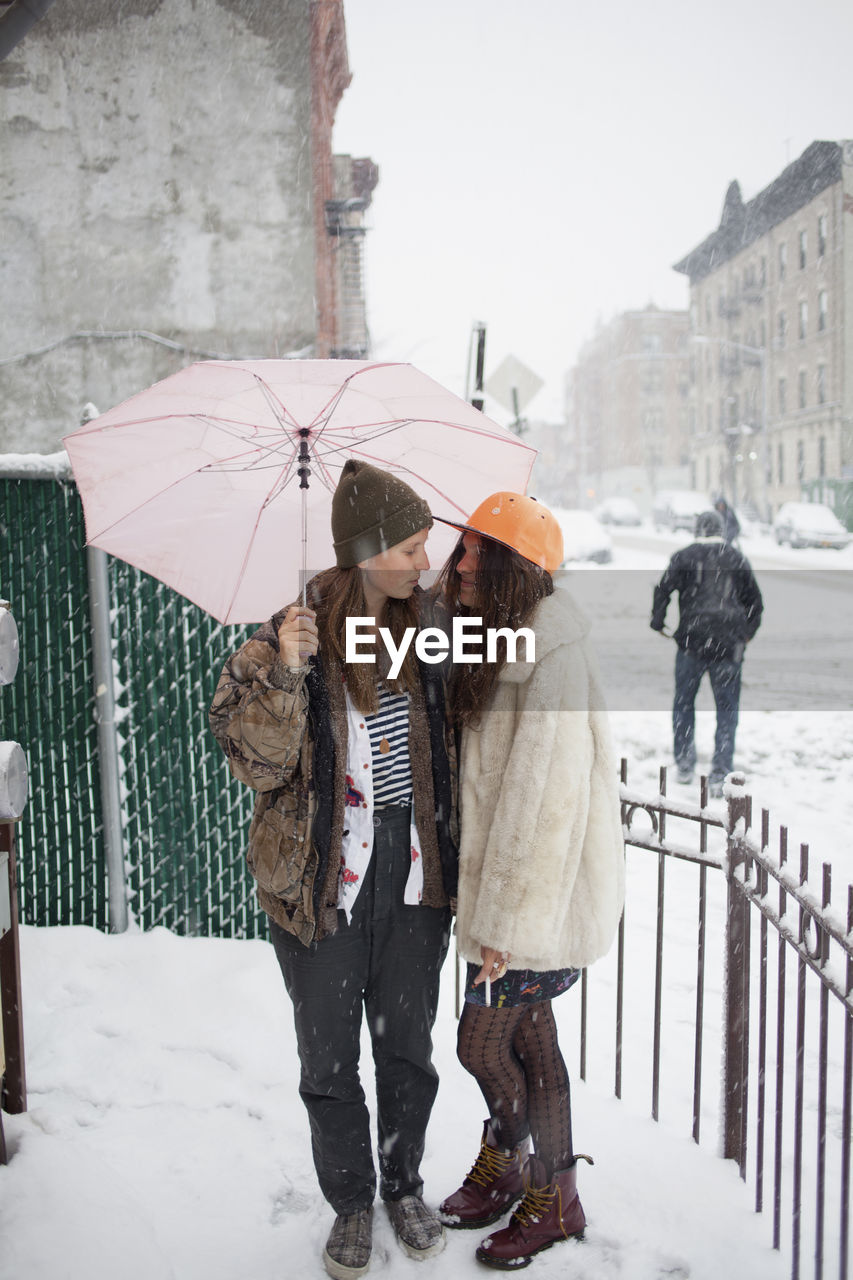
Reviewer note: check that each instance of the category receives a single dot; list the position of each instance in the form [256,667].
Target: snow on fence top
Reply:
[35,466]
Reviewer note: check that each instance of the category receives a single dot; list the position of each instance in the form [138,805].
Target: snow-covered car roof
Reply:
[581,531]
[809,515]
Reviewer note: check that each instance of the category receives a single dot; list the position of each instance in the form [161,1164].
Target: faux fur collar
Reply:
[558,620]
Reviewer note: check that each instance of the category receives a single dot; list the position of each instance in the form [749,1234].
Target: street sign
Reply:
[513,385]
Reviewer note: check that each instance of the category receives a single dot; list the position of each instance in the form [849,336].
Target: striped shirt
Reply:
[389,745]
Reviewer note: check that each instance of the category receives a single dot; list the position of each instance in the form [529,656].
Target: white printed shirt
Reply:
[357,844]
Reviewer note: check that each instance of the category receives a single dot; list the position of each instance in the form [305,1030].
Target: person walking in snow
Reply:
[541,870]
[353,855]
[731,524]
[720,609]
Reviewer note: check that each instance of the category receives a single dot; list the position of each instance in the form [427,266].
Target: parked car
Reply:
[809,524]
[678,508]
[621,511]
[584,538]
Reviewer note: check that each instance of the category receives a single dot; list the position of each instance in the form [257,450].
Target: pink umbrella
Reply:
[218,480]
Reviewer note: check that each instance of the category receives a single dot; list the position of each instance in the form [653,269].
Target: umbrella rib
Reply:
[381,429]
[158,493]
[287,421]
[378,429]
[254,533]
[336,397]
[283,416]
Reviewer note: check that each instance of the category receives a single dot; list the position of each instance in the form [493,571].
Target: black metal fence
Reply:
[754,989]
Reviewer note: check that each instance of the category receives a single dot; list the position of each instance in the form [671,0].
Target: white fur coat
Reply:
[542,870]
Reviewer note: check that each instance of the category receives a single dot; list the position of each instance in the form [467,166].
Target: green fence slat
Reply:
[49,706]
[185,820]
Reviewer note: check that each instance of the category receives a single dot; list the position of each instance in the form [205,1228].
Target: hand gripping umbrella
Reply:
[219,479]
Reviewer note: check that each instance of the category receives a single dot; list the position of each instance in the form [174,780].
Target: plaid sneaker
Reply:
[419,1231]
[347,1251]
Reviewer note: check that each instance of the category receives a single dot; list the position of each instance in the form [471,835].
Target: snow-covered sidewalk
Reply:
[165,1139]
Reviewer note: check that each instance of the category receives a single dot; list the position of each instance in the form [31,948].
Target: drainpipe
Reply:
[17,20]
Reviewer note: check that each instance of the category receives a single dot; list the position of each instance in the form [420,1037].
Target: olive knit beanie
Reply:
[372,511]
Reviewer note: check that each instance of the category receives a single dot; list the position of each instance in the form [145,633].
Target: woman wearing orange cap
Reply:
[541,873]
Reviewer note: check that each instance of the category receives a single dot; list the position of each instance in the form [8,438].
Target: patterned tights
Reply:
[514,1056]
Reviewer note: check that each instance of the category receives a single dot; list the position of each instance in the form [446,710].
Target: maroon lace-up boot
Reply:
[549,1212]
[494,1185]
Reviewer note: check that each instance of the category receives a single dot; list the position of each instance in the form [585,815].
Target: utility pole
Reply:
[478,335]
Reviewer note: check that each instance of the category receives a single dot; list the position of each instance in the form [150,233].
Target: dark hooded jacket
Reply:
[731,524]
[719,602]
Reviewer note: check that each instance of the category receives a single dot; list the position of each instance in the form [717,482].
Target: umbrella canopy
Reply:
[200,480]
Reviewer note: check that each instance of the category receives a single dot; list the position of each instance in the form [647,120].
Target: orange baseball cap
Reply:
[520,523]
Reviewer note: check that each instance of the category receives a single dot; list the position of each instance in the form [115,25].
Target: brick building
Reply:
[626,405]
[169,193]
[771,335]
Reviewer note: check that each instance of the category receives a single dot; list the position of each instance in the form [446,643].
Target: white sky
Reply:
[544,162]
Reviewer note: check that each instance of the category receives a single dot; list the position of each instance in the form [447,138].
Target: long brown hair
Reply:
[338,594]
[507,589]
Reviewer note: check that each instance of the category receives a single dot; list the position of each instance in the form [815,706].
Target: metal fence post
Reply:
[14,1095]
[736,984]
[102,662]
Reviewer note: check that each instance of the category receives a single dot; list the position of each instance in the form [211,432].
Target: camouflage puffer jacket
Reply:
[284,733]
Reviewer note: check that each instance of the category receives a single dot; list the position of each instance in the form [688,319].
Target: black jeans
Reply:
[387,961]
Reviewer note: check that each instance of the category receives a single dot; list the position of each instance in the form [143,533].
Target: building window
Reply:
[804,319]
[822,310]
[708,472]
[821,384]
[782,398]
[783,260]
[821,456]
[652,380]
[821,235]
[801,461]
[803,247]
[709,418]
[762,275]
[802,387]
[708,310]
[762,334]
[782,328]
[780,463]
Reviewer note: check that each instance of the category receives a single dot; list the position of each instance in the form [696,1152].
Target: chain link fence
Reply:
[184,821]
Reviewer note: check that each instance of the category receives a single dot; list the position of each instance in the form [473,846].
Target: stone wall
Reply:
[158,179]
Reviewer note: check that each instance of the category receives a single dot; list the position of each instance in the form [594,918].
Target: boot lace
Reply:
[490,1165]
[535,1205]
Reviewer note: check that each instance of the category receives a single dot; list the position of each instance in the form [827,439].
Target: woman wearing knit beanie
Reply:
[351,848]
